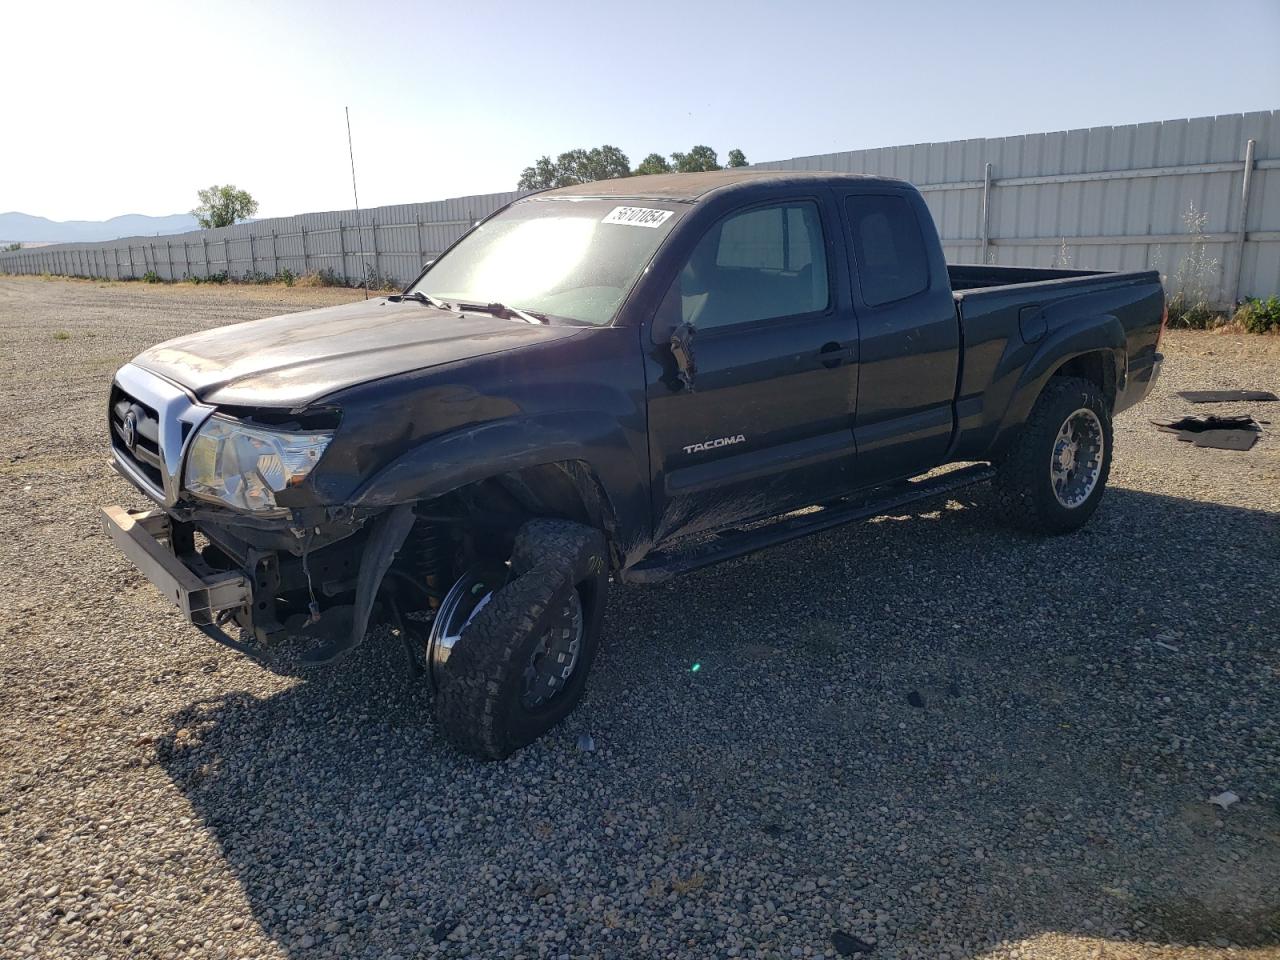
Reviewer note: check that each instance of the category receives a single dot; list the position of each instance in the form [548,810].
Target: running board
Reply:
[663,565]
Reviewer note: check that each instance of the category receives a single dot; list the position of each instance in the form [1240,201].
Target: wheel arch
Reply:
[549,467]
[1092,348]
[1099,367]
[554,489]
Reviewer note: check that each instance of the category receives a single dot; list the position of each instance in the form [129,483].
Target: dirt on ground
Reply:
[921,736]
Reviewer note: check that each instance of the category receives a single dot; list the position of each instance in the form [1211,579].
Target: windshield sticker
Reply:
[638,216]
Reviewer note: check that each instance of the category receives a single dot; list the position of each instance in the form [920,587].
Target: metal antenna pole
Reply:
[356,193]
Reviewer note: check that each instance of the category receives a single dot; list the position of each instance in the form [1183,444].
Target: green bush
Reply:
[286,276]
[256,276]
[151,277]
[219,277]
[1259,316]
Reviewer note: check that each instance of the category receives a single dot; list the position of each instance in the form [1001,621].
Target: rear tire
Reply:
[1053,478]
[503,684]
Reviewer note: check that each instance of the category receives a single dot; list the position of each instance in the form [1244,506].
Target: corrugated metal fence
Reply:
[385,242]
[1111,198]
[1106,198]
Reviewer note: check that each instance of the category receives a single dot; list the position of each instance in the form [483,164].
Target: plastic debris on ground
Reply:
[1227,396]
[847,944]
[1224,799]
[1222,433]
[586,743]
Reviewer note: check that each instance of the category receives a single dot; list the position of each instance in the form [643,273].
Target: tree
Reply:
[223,206]
[699,159]
[576,166]
[541,176]
[653,163]
[607,162]
[599,163]
[13,248]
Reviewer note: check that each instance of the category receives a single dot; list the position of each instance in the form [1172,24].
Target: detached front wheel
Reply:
[1053,478]
[512,643]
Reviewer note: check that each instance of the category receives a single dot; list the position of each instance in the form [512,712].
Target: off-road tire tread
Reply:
[1023,496]
[550,558]
[559,543]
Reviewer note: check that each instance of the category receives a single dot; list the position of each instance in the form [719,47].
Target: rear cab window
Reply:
[888,248]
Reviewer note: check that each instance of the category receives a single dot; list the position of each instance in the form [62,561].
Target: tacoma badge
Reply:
[712,444]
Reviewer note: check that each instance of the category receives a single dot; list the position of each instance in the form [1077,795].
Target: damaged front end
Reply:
[314,573]
[237,541]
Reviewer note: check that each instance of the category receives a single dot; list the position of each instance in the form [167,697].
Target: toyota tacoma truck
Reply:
[623,380]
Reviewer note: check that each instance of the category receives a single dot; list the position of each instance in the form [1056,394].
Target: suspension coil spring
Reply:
[426,549]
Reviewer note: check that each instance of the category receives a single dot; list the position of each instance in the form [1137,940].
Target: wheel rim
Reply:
[555,655]
[465,599]
[1076,462]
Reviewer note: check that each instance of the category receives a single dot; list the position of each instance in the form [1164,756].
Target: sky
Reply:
[113,108]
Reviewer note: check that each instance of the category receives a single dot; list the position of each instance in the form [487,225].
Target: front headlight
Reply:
[244,467]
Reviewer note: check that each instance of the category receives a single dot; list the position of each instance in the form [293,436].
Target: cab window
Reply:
[763,263]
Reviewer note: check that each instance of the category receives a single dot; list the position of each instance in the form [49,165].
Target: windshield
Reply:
[574,259]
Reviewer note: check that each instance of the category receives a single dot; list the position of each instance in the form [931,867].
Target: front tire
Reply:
[520,663]
[1053,478]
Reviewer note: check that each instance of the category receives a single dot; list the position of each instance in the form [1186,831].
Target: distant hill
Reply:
[28,229]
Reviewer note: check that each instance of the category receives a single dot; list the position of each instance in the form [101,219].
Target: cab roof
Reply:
[689,187]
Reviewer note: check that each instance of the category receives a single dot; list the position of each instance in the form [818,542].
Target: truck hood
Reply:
[291,360]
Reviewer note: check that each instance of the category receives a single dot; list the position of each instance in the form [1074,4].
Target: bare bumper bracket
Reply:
[146,539]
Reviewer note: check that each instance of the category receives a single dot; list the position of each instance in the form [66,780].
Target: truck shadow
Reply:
[1074,702]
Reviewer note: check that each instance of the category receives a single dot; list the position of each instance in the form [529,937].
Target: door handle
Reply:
[833,354]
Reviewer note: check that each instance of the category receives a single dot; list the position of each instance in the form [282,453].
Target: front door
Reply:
[767,425]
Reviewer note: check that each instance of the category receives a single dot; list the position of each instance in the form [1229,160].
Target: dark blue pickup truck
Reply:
[625,379]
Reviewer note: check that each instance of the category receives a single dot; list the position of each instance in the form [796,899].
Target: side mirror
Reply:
[681,344]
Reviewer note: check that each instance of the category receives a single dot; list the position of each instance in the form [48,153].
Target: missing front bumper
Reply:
[145,537]
[264,591]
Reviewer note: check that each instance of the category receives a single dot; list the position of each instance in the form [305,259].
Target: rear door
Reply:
[909,333]
[767,425]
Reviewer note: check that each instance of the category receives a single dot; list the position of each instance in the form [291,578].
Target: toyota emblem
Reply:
[130,430]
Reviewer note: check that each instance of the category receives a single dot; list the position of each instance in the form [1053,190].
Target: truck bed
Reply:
[974,276]
[1008,314]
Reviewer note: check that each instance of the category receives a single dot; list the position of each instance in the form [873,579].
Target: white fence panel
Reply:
[1107,198]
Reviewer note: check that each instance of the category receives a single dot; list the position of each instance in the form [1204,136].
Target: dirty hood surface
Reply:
[300,357]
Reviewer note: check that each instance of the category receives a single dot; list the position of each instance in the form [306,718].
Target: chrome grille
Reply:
[151,420]
[135,435]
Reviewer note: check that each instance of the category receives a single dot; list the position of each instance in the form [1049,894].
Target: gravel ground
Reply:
[923,736]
